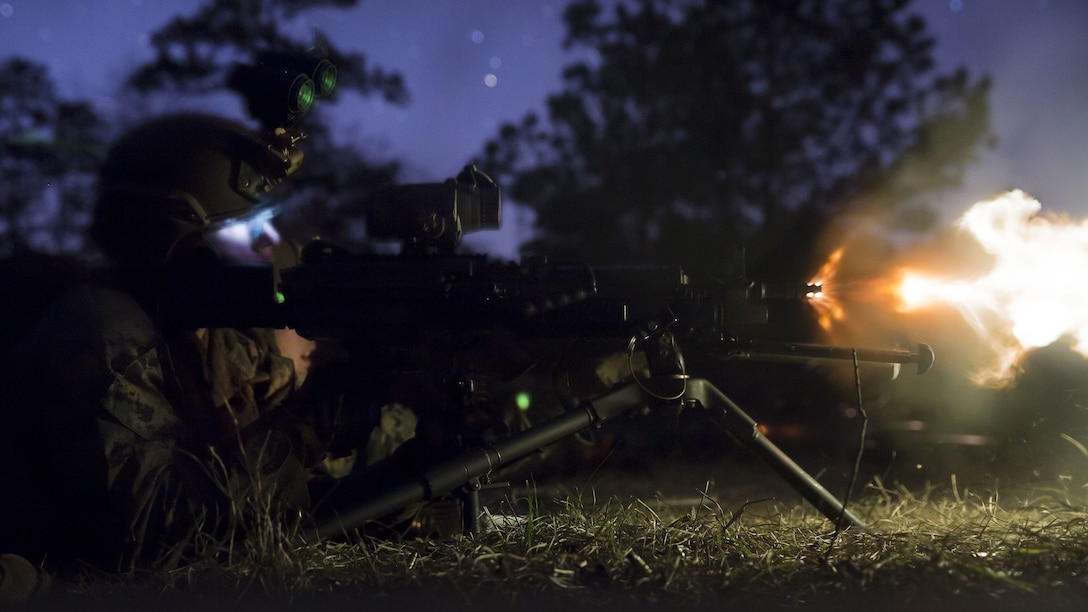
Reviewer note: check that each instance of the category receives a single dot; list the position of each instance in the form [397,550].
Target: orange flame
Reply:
[828,307]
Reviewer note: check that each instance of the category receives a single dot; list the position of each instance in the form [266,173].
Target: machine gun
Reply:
[425,313]
[441,301]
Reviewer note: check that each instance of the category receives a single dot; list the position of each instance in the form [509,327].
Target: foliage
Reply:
[49,150]
[194,55]
[695,124]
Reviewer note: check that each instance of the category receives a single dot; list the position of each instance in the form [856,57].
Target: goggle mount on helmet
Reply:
[280,89]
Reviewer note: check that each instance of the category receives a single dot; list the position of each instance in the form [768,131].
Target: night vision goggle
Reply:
[281,88]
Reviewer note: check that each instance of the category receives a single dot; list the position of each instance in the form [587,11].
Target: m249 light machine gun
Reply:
[430,299]
[428,326]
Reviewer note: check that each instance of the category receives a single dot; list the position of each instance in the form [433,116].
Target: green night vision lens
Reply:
[325,78]
[304,99]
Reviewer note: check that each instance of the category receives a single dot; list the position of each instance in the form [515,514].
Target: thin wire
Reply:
[857,458]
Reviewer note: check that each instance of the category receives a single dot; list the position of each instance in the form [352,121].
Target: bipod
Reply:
[475,463]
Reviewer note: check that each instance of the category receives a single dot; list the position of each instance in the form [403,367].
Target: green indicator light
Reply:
[522,400]
[279,297]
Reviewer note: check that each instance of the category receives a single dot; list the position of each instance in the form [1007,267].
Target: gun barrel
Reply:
[788,352]
[789,291]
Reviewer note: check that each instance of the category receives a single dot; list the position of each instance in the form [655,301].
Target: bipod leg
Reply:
[469,495]
[471,510]
[734,420]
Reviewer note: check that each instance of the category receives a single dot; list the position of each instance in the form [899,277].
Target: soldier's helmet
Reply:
[177,176]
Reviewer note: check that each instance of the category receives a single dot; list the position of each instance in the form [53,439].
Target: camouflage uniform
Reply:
[396,426]
[121,442]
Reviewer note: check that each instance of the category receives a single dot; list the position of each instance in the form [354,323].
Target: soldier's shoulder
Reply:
[99,308]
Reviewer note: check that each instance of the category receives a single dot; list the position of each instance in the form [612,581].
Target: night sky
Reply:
[470,66]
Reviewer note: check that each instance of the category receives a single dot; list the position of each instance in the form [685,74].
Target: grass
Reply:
[934,545]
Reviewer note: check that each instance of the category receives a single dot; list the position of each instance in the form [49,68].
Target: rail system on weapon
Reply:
[441,324]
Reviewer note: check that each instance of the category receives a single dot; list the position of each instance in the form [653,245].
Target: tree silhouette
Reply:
[697,127]
[49,150]
[194,55]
